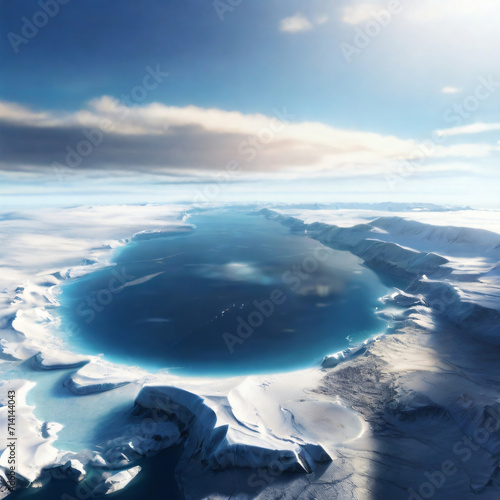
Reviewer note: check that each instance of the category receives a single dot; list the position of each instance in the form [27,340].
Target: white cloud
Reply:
[16,113]
[475,128]
[300,23]
[322,19]
[355,14]
[423,11]
[464,151]
[190,137]
[437,10]
[295,24]
[450,90]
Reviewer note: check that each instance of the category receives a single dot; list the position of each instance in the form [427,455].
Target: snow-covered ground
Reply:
[411,414]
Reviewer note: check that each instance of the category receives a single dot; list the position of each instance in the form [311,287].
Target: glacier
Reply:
[406,414]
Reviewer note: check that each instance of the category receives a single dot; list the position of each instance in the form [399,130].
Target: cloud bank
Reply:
[108,134]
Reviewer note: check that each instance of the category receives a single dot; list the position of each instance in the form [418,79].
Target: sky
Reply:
[256,99]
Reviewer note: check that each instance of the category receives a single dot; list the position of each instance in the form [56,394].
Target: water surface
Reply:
[239,294]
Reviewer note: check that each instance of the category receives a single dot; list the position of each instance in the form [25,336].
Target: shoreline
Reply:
[413,317]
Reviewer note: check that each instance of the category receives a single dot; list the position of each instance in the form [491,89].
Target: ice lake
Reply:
[238,295]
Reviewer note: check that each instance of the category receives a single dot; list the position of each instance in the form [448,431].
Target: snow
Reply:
[251,424]
[101,376]
[116,482]
[56,360]
[369,422]
[72,469]
[33,450]
[149,234]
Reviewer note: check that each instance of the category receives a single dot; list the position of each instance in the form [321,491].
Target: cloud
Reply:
[157,137]
[438,10]
[361,12]
[19,114]
[322,19]
[464,151]
[450,90]
[475,128]
[295,24]
[299,23]
[422,12]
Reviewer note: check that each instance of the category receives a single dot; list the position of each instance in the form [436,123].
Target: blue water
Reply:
[238,295]
[156,481]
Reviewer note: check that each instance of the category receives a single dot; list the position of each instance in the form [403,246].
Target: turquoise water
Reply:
[238,295]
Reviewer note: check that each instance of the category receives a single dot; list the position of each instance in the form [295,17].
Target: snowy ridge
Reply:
[461,238]
[364,241]
[369,423]
[220,438]
[470,304]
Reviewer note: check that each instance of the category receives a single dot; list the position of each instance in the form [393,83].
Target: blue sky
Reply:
[411,70]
